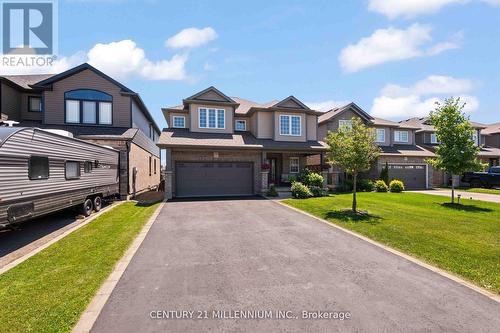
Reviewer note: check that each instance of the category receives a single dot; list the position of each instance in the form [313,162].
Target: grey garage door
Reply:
[413,176]
[196,179]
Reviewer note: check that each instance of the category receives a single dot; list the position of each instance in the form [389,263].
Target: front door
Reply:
[273,171]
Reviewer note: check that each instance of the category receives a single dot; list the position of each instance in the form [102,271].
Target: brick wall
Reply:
[139,158]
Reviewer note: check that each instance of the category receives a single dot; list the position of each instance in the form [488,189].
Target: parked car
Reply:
[42,172]
[488,179]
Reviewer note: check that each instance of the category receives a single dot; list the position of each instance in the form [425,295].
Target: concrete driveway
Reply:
[239,255]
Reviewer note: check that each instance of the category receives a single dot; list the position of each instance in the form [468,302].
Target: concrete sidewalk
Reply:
[463,194]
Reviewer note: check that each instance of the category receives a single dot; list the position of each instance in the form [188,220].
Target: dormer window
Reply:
[211,118]
[179,121]
[290,125]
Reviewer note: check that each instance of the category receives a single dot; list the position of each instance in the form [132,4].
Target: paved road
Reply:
[464,195]
[259,255]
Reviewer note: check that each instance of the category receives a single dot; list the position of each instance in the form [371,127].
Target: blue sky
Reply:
[393,58]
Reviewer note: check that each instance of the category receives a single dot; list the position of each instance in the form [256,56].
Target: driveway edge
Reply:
[401,254]
[42,247]
[89,316]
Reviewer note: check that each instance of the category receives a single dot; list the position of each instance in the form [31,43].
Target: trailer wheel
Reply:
[87,207]
[97,203]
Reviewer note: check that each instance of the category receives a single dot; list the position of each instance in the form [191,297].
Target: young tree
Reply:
[353,149]
[384,174]
[457,151]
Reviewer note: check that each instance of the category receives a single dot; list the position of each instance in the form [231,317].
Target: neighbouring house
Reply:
[491,135]
[405,159]
[94,107]
[217,145]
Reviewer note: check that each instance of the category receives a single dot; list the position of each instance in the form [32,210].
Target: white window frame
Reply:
[475,138]
[74,102]
[282,116]
[345,122]
[398,136]
[434,139]
[293,165]
[377,131]
[244,122]
[216,118]
[101,104]
[178,117]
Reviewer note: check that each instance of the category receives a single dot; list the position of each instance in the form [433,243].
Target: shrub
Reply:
[271,192]
[317,191]
[300,191]
[396,186]
[384,174]
[314,179]
[381,186]
[303,176]
[364,185]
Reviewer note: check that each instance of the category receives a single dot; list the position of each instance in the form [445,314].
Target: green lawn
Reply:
[49,291]
[474,189]
[463,239]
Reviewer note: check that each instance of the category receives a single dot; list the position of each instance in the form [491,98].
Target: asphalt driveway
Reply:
[256,255]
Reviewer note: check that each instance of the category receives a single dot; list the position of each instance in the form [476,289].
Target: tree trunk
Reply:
[354,185]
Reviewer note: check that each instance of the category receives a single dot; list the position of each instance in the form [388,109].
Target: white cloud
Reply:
[410,8]
[393,44]
[419,99]
[492,2]
[191,38]
[125,59]
[326,105]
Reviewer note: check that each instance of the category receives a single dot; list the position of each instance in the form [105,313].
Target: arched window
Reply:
[88,106]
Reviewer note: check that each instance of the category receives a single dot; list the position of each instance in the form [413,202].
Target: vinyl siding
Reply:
[303,129]
[87,79]
[11,102]
[194,124]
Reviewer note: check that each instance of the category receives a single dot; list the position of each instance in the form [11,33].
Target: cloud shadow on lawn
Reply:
[465,208]
[346,215]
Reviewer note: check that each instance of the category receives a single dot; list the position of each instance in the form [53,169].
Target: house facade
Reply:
[404,157]
[93,107]
[217,145]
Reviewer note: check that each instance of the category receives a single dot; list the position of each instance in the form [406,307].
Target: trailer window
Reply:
[72,170]
[87,167]
[38,167]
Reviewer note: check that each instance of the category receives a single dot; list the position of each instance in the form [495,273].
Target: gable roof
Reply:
[491,129]
[210,91]
[291,102]
[422,124]
[44,84]
[336,111]
[25,81]
[246,105]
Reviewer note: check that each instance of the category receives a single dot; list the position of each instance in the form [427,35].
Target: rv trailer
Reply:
[42,172]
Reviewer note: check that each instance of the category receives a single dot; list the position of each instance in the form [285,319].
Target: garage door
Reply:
[196,179]
[413,176]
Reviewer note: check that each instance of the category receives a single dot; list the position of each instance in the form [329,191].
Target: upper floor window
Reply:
[434,138]
[475,138]
[345,123]
[86,106]
[380,137]
[401,136]
[211,118]
[179,121]
[290,125]
[34,104]
[240,125]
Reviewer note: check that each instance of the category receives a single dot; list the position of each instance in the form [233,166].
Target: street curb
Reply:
[25,257]
[89,316]
[403,255]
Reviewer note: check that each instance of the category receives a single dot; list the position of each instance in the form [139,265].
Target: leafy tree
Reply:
[457,151]
[353,149]
[384,174]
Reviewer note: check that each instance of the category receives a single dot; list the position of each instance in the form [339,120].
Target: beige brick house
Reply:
[218,145]
[94,107]
[405,158]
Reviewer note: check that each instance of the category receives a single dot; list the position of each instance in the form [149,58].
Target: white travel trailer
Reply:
[42,172]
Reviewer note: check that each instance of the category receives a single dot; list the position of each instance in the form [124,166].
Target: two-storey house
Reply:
[405,159]
[217,145]
[91,106]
